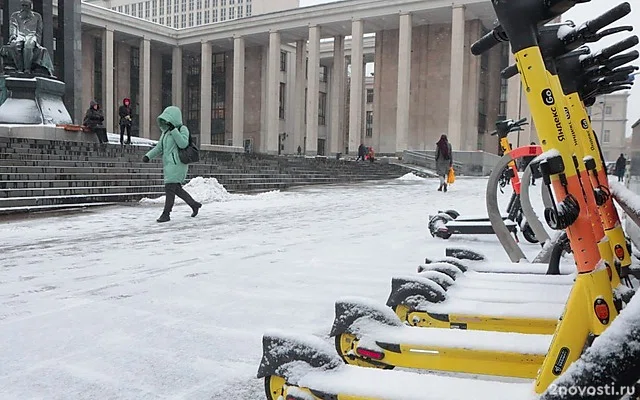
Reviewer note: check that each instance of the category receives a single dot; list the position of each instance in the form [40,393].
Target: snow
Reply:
[434,338]
[108,304]
[136,141]
[625,196]
[543,294]
[525,308]
[208,190]
[410,177]
[384,384]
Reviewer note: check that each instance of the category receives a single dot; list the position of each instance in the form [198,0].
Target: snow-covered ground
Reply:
[108,304]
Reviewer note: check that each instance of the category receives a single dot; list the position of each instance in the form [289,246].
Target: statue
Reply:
[24,52]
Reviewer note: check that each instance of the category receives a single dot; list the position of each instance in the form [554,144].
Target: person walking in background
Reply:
[93,120]
[362,152]
[174,136]
[621,166]
[371,154]
[444,161]
[125,120]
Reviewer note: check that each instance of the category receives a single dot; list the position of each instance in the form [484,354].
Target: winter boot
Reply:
[164,218]
[196,207]
[440,188]
[444,188]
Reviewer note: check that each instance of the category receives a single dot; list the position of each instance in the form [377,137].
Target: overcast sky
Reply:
[579,14]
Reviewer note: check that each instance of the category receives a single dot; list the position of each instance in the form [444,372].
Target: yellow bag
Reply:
[451,177]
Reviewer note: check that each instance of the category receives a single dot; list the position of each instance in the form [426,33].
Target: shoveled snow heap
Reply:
[206,190]
[410,177]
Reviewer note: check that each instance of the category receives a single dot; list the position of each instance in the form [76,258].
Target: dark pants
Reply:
[171,191]
[620,177]
[124,127]
[101,133]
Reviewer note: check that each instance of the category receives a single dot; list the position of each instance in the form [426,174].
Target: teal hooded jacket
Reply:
[170,141]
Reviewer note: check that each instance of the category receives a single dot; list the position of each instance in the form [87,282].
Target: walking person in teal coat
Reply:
[174,136]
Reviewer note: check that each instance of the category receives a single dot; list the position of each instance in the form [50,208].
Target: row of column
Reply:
[337,89]
[144,83]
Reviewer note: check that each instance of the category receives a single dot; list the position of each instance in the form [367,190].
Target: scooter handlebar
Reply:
[488,41]
[609,17]
[509,72]
[622,59]
[619,47]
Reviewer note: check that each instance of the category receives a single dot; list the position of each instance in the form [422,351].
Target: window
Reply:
[190,19]
[223,3]
[126,9]
[322,108]
[606,136]
[140,10]
[369,96]
[168,6]
[154,8]
[175,21]
[161,11]
[206,17]
[215,15]
[248,10]
[191,5]
[199,18]
[183,6]
[199,4]
[240,9]
[232,13]
[207,4]
[147,9]
[168,21]
[504,62]
[607,110]
[323,73]
[283,61]
[215,3]
[176,7]
[223,14]
[369,122]
[167,74]
[134,84]
[283,88]
[161,20]
[231,2]
[218,95]
[120,9]
[192,93]
[183,21]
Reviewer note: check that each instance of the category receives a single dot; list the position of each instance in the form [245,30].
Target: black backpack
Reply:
[190,154]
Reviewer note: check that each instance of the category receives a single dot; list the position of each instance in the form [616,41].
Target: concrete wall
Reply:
[156,92]
[88,54]
[121,74]
[267,6]
[253,93]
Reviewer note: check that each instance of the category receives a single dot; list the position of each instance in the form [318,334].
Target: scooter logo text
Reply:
[556,120]
[547,97]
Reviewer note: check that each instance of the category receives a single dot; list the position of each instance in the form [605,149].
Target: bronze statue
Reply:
[24,49]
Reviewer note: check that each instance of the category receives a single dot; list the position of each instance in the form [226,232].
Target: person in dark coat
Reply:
[175,136]
[94,119]
[621,166]
[125,120]
[362,152]
[444,161]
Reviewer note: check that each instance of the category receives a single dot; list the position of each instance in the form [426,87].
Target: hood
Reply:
[125,100]
[170,114]
[93,103]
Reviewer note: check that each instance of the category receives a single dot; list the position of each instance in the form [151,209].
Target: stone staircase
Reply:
[42,175]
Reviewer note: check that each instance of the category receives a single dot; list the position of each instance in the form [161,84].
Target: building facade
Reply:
[609,120]
[250,82]
[181,14]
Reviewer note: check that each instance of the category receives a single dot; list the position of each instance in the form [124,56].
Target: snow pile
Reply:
[203,190]
[136,141]
[410,177]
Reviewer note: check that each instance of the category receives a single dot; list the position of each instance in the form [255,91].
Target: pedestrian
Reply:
[621,166]
[174,136]
[371,154]
[526,160]
[125,120]
[444,161]
[94,121]
[299,150]
[362,152]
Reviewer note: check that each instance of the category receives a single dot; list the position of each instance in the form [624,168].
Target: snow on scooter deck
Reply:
[502,273]
[307,362]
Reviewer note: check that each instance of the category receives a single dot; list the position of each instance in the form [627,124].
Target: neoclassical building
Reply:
[292,78]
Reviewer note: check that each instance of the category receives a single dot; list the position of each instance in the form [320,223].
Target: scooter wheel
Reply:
[346,351]
[528,234]
[436,224]
[274,387]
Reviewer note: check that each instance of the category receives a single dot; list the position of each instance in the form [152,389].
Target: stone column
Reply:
[69,46]
[273,91]
[145,88]
[238,90]
[176,77]
[45,9]
[456,88]
[109,106]
[337,97]
[205,93]
[355,96]
[10,6]
[298,101]
[404,84]
[313,89]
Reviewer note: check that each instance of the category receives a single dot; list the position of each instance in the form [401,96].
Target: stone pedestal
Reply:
[33,101]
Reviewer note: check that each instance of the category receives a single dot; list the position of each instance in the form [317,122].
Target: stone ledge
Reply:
[45,132]
[221,148]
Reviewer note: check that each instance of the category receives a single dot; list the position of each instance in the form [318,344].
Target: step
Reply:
[79,190]
[50,208]
[75,199]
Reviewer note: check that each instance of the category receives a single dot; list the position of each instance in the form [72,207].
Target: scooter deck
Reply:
[352,383]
